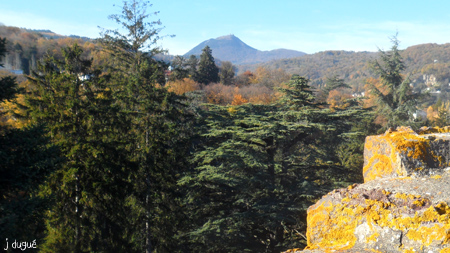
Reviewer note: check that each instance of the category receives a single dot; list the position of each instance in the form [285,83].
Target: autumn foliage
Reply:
[182,86]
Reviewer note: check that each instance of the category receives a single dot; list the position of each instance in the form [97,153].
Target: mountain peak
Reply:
[231,48]
[227,37]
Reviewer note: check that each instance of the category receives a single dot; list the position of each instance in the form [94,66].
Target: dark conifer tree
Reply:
[27,158]
[227,73]
[208,72]
[398,103]
[76,105]
[257,169]
[192,66]
[158,131]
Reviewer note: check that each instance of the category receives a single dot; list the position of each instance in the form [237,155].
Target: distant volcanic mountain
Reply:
[231,48]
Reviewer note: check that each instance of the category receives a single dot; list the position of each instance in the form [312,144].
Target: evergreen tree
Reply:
[208,72]
[27,158]
[333,83]
[397,103]
[179,70]
[257,169]
[76,105]
[226,73]
[192,66]
[158,130]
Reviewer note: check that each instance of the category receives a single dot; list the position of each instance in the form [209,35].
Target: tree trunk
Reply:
[77,214]
[148,234]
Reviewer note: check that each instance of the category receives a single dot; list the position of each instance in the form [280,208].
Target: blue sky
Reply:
[305,25]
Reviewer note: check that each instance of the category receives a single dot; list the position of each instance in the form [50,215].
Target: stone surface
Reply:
[386,215]
[403,153]
[403,206]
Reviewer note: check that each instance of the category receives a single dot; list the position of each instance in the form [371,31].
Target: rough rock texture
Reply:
[403,206]
[404,153]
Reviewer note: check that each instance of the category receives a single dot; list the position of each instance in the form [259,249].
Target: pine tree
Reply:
[76,106]
[27,158]
[226,73]
[158,130]
[398,103]
[257,169]
[192,66]
[179,70]
[208,72]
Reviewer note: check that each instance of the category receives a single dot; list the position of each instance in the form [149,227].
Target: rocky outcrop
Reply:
[403,153]
[403,206]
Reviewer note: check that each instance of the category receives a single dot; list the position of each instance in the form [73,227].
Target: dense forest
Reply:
[104,148]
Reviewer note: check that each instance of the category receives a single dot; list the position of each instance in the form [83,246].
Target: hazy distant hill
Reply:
[427,64]
[231,48]
[425,61]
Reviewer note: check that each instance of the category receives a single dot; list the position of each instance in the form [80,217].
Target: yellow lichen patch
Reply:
[379,165]
[436,176]
[333,234]
[432,130]
[426,235]
[292,250]
[373,237]
[351,186]
[382,153]
[406,196]
[332,227]
[409,142]
[446,250]
[419,202]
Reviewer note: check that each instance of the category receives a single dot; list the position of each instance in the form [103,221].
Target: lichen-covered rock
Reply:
[403,153]
[383,215]
[403,206]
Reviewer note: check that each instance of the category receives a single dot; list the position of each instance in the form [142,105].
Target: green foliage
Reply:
[179,68]
[27,158]
[257,169]
[76,105]
[395,97]
[130,50]
[208,72]
[333,83]
[157,130]
[192,66]
[128,175]
[226,73]
[299,93]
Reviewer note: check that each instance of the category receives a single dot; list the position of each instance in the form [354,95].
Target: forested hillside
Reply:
[354,67]
[107,149]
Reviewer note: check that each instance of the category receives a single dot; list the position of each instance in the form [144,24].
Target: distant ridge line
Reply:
[231,48]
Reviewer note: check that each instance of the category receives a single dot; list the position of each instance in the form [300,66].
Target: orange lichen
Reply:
[383,152]
[406,196]
[334,235]
[372,238]
[333,227]
[357,218]
[409,142]
[432,130]
[292,250]
[381,164]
